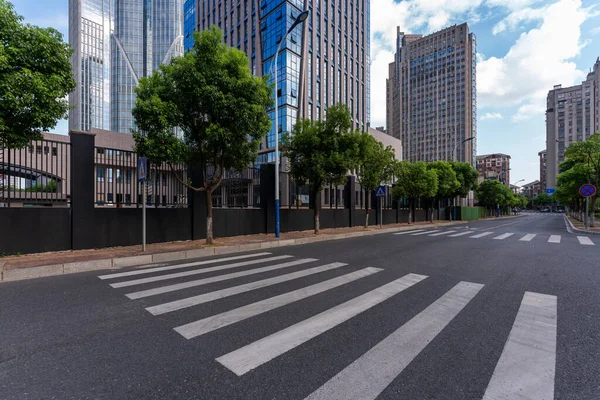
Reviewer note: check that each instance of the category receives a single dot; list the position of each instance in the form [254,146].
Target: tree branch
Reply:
[202,189]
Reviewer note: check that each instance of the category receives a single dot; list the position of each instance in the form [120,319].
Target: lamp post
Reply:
[453,159]
[299,19]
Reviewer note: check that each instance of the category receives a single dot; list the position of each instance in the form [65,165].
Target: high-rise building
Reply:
[90,27]
[494,166]
[543,165]
[572,115]
[116,43]
[432,95]
[189,23]
[323,61]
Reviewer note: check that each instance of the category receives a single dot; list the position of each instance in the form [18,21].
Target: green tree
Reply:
[221,108]
[321,152]
[466,176]
[492,193]
[374,165]
[35,77]
[448,184]
[414,181]
[543,199]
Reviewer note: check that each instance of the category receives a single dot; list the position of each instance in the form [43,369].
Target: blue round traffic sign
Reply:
[587,190]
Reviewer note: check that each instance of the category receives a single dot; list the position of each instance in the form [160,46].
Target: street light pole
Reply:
[454,159]
[299,19]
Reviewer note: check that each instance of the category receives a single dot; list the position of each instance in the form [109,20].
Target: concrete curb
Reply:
[571,228]
[143,260]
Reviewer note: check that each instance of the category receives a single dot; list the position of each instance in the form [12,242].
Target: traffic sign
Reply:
[550,191]
[587,190]
[380,192]
[141,169]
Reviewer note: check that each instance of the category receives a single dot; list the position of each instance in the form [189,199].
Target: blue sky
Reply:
[524,48]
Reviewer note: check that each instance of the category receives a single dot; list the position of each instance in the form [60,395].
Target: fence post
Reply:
[197,203]
[267,196]
[82,190]
[350,199]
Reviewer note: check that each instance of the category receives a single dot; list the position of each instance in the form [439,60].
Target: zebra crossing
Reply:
[473,234]
[525,368]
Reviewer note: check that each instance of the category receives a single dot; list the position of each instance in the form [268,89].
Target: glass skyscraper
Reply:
[324,61]
[125,40]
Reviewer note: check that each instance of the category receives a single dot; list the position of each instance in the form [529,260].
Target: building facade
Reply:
[494,166]
[431,95]
[572,115]
[532,189]
[323,61]
[117,42]
[543,166]
[189,23]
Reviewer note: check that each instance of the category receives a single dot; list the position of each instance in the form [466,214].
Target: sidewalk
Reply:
[67,262]
[579,226]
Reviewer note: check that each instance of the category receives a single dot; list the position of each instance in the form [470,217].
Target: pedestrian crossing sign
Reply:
[141,169]
[380,192]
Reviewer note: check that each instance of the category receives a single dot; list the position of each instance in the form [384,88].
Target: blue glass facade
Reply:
[189,23]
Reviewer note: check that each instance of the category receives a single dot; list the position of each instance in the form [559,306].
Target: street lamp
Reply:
[521,180]
[453,151]
[299,19]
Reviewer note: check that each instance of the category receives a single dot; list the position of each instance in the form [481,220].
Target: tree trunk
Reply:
[209,216]
[410,212]
[316,211]
[367,216]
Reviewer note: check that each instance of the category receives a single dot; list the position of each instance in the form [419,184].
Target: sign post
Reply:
[586,191]
[141,170]
[380,193]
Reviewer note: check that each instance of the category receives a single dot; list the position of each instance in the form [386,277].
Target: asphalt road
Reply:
[503,309]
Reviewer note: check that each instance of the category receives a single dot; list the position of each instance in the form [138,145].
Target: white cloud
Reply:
[595,31]
[513,20]
[538,60]
[491,116]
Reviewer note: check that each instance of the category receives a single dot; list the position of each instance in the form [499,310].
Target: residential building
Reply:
[494,166]
[431,95]
[572,115]
[117,42]
[531,189]
[543,165]
[515,189]
[324,61]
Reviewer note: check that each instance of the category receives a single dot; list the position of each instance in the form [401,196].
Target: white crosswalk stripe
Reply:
[220,294]
[442,233]
[219,278]
[528,237]
[255,354]
[527,365]
[480,235]
[209,324]
[370,374]
[407,232]
[584,240]
[195,272]
[462,234]
[503,236]
[424,233]
[554,239]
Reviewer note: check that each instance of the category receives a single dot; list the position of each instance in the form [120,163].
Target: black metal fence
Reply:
[117,185]
[37,175]
[238,189]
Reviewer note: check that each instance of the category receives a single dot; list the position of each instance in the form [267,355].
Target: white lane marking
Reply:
[197,328]
[503,236]
[219,278]
[255,354]
[480,235]
[195,272]
[554,239]
[220,294]
[424,233]
[404,233]
[170,267]
[527,365]
[585,240]
[528,237]
[442,233]
[461,234]
[370,374]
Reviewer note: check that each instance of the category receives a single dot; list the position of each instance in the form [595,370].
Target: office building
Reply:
[494,166]
[431,95]
[323,61]
[572,115]
[543,165]
[117,42]
[189,23]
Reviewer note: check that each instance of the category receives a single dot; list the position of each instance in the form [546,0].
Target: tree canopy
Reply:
[466,176]
[413,181]
[448,184]
[210,96]
[35,78]
[321,152]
